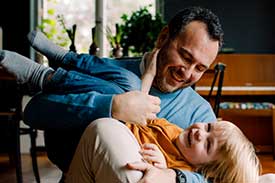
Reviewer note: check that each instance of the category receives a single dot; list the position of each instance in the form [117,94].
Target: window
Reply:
[82,13]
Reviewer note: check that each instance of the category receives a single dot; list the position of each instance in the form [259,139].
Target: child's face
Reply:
[199,143]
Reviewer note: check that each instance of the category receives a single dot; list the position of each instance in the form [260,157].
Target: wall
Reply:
[14,20]
[248,25]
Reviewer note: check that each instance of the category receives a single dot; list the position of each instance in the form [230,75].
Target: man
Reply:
[187,47]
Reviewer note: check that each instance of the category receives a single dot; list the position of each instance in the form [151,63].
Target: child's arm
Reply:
[150,71]
[151,153]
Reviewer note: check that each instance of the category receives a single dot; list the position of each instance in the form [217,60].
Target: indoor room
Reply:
[194,66]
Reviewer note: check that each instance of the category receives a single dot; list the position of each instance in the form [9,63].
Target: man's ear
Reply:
[162,37]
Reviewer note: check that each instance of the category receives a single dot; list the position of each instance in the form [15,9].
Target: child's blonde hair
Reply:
[237,161]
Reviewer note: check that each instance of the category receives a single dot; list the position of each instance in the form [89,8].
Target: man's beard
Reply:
[162,85]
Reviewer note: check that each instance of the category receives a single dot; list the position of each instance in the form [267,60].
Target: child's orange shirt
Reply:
[164,135]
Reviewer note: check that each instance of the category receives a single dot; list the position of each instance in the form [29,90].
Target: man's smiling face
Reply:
[182,61]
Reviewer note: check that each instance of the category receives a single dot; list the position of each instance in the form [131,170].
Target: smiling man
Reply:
[187,46]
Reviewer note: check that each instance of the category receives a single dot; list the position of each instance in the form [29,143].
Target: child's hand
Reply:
[151,153]
[150,71]
[151,63]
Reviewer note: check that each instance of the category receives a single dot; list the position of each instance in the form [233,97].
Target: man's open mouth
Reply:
[177,77]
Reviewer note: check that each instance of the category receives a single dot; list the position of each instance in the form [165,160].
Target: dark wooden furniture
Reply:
[11,96]
[248,78]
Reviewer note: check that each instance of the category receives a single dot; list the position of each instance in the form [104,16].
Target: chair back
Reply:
[218,74]
[213,77]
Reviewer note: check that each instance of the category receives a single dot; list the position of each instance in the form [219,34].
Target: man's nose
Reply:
[187,72]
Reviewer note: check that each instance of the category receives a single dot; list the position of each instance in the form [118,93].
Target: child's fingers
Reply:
[153,159]
[149,149]
[152,154]
[155,53]
[148,152]
[160,165]
[150,146]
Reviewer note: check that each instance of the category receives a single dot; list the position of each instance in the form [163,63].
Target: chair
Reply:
[218,73]
[215,74]
[11,96]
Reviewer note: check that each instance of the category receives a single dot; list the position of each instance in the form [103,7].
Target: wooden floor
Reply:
[50,174]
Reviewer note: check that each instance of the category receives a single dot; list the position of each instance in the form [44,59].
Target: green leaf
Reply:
[51,11]
[140,31]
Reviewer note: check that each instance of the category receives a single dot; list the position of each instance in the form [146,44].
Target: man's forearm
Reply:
[165,175]
[180,176]
[192,177]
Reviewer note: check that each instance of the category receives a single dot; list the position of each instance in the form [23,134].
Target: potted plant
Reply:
[140,31]
[115,40]
[70,32]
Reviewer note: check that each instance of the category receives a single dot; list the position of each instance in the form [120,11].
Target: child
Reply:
[218,150]
[220,158]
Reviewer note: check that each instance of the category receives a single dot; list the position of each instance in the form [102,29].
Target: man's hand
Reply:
[135,107]
[153,174]
[151,153]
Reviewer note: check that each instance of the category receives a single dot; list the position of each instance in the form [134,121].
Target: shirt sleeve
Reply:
[193,177]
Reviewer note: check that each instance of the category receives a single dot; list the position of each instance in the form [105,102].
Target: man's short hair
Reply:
[187,15]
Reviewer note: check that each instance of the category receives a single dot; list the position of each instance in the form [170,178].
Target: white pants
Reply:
[106,146]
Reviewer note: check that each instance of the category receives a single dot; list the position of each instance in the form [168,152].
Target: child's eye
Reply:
[208,127]
[208,141]
[208,145]
[201,68]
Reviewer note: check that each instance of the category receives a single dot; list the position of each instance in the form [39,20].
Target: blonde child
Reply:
[219,150]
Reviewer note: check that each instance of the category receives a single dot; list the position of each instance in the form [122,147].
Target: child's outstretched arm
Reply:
[150,71]
[152,154]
